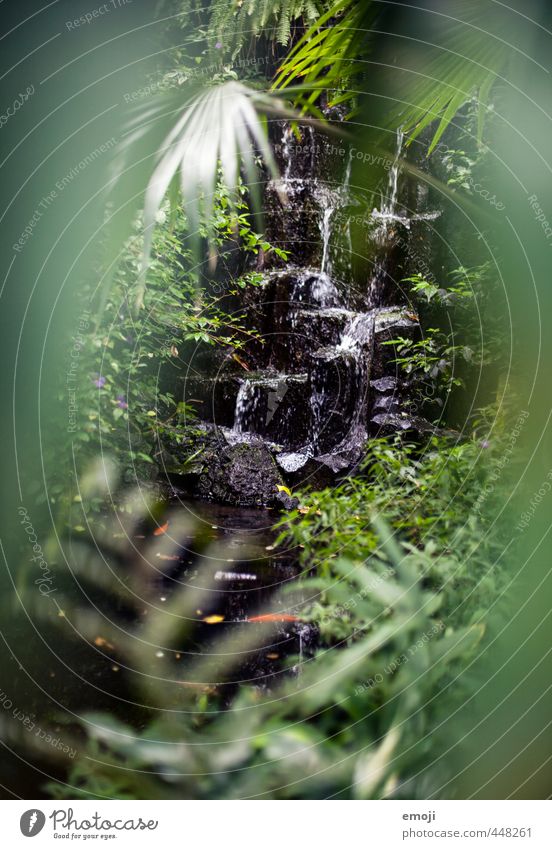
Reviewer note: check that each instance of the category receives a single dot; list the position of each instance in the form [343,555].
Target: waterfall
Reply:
[338,367]
[347,181]
[388,204]
[246,402]
[347,195]
[358,339]
[391,204]
[308,396]
[318,404]
[287,151]
[358,332]
[326,232]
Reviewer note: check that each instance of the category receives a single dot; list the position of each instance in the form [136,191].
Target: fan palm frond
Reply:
[216,133]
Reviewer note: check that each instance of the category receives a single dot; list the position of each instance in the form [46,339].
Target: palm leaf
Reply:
[427,76]
[218,133]
[328,53]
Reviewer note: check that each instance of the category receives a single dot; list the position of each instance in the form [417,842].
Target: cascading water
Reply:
[338,376]
[245,407]
[346,191]
[315,289]
[358,339]
[391,204]
[358,332]
[326,233]
[286,147]
[388,205]
[313,392]
[386,216]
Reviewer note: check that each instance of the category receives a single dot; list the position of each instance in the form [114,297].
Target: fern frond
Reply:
[232,24]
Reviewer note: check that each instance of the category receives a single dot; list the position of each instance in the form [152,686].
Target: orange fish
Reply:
[274,617]
[162,530]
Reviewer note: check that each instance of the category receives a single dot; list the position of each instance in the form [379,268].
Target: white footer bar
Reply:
[273,825]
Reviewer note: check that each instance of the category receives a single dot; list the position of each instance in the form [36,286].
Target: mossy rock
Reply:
[244,475]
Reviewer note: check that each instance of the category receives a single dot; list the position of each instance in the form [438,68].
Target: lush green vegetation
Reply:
[399,562]
[126,365]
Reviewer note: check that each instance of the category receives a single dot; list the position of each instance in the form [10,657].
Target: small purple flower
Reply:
[99,381]
[218,46]
[121,402]
[485,443]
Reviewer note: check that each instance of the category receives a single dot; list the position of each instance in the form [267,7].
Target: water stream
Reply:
[325,334]
[326,232]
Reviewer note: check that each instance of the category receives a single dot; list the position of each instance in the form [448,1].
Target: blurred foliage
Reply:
[342,722]
[183,144]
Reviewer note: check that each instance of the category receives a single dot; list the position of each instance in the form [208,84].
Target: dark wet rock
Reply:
[287,502]
[302,469]
[325,324]
[417,428]
[384,384]
[213,399]
[390,423]
[231,436]
[244,474]
[346,455]
[390,403]
[395,319]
